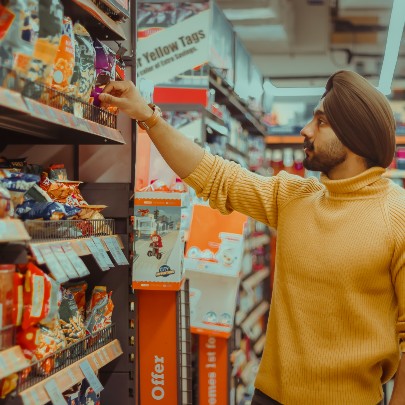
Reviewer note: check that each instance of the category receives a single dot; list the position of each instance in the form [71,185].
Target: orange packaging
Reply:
[40,297]
[65,58]
[6,294]
[18,299]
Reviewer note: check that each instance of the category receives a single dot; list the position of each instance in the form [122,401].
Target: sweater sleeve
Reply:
[397,217]
[229,187]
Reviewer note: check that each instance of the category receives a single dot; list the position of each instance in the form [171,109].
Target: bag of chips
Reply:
[105,69]
[40,297]
[18,42]
[99,311]
[78,290]
[46,47]
[84,74]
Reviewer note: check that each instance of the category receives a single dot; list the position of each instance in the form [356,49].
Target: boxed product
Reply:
[212,303]
[215,242]
[159,240]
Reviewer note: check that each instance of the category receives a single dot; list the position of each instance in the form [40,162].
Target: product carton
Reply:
[159,240]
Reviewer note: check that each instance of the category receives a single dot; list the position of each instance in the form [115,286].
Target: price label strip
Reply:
[97,256]
[102,251]
[91,377]
[37,253]
[64,262]
[116,251]
[53,265]
[54,393]
[76,261]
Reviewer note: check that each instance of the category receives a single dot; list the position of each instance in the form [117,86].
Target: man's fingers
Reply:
[109,99]
[116,86]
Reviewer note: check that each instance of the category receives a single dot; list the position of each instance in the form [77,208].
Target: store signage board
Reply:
[213,370]
[176,49]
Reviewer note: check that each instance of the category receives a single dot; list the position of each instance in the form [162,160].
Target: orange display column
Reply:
[213,370]
[158,363]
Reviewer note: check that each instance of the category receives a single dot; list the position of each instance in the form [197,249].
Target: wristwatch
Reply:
[153,120]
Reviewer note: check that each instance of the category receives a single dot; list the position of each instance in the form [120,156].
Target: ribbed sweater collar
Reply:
[368,183]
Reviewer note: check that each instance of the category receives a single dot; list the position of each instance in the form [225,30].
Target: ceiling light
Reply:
[292,91]
[238,14]
[273,32]
[392,46]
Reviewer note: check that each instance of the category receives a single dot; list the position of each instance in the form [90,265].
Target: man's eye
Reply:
[321,122]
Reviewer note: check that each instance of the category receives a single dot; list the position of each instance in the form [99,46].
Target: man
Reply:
[337,317]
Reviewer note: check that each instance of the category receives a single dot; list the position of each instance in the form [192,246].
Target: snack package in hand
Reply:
[99,311]
[40,297]
[84,74]
[105,69]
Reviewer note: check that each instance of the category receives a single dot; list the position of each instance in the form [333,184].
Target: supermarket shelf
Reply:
[23,120]
[298,139]
[255,315]
[259,345]
[13,230]
[12,360]
[71,375]
[235,105]
[256,241]
[395,174]
[191,107]
[236,150]
[98,23]
[254,279]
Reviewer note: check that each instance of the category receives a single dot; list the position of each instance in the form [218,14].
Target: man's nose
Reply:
[307,131]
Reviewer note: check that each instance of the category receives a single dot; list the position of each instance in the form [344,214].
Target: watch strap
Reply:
[153,120]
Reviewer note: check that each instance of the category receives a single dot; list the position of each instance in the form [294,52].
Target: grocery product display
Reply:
[118,284]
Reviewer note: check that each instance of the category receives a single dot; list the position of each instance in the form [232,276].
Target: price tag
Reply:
[71,375]
[54,393]
[53,265]
[116,251]
[37,253]
[64,262]
[91,377]
[115,350]
[3,366]
[76,261]
[102,251]
[99,257]
[101,357]
[98,366]
[106,355]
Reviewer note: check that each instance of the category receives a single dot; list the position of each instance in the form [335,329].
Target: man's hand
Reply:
[125,96]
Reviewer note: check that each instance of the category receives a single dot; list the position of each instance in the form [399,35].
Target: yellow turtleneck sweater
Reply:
[338,307]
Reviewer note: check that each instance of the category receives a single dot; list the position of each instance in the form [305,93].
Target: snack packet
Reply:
[45,49]
[70,318]
[78,290]
[17,45]
[99,311]
[6,205]
[47,210]
[84,74]
[40,297]
[18,298]
[65,59]
[105,69]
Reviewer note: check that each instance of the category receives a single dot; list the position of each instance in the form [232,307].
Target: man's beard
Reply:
[324,159]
